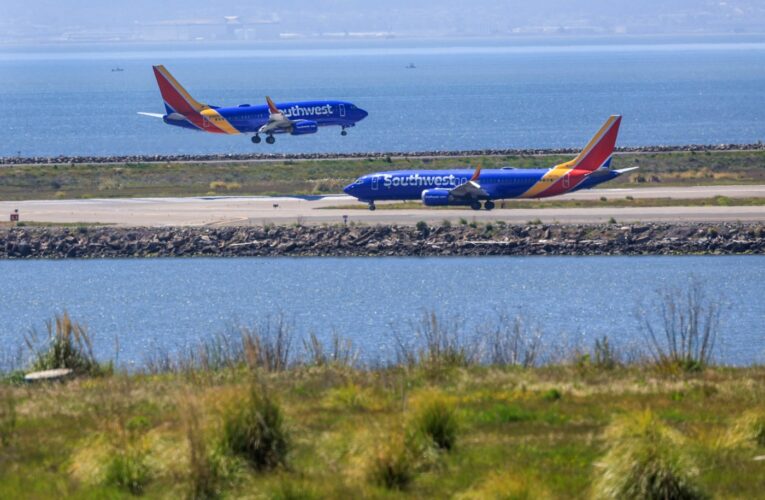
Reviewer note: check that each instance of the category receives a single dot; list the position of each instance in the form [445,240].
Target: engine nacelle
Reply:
[435,197]
[302,127]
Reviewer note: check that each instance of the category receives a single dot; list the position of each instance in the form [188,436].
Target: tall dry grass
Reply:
[645,459]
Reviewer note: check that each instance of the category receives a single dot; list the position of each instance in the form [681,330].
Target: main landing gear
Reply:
[372,206]
[269,139]
[476,205]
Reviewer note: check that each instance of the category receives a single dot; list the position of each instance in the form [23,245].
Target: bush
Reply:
[393,467]
[8,417]
[421,226]
[513,343]
[645,460]
[552,395]
[68,346]
[340,352]
[205,466]
[437,421]
[440,344]
[128,470]
[255,431]
[686,332]
[748,430]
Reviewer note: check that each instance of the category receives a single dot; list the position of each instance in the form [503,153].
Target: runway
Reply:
[202,211]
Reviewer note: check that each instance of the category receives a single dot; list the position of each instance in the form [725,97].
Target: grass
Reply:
[509,432]
[716,201]
[25,182]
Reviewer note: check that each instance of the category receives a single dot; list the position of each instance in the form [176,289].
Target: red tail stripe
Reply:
[602,150]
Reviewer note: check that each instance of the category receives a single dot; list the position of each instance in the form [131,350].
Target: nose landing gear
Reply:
[343,132]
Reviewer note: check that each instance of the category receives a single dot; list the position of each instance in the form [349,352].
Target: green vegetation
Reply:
[511,435]
[68,345]
[646,459]
[329,176]
[715,201]
[496,414]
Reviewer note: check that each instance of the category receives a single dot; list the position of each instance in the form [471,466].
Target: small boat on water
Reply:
[410,66]
[117,70]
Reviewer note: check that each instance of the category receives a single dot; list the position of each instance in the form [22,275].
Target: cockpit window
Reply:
[360,180]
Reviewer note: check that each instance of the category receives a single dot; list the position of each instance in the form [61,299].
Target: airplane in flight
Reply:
[471,187]
[294,118]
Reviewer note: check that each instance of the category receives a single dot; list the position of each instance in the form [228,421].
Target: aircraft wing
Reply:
[153,115]
[470,189]
[276,119]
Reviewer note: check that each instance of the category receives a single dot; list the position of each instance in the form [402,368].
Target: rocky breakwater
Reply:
[62,160]
[422,240]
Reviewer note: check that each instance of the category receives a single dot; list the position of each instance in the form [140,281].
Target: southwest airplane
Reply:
[294,118]
[467,187]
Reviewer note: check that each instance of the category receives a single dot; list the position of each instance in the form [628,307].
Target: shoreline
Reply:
[422,240]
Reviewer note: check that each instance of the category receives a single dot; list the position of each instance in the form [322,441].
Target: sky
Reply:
[145,20]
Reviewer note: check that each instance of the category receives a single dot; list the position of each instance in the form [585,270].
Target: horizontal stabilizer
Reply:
[153,115]
[624,170]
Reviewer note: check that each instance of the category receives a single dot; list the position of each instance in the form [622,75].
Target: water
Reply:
[173,303]
[463,95]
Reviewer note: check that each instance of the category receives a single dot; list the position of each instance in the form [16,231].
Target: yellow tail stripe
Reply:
[219,121]
[547,180]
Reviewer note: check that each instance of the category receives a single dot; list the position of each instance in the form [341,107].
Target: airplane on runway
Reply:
[294,118]
[471,187]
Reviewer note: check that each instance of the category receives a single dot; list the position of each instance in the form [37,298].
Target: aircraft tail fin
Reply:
[598,151]
[176,98]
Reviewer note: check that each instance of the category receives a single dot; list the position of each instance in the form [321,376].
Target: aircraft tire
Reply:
[475,205]
[372,207]
[256,139]
[344,132]
[489,205]
[270,139]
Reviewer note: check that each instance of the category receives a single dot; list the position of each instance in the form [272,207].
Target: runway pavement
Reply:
[307,210]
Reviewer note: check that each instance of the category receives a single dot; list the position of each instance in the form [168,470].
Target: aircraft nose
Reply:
[362,114]
[348,189]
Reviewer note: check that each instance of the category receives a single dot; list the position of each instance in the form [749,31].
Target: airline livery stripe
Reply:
[219,121]
[193,103]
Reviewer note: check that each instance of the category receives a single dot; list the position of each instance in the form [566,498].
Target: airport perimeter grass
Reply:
[329,176]
[519,432]
[716,201]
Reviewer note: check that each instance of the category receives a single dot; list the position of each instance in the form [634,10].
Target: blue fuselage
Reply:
[248,119]
[497,183]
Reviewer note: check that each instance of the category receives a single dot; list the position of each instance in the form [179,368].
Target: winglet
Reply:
[476,174]
[272,107]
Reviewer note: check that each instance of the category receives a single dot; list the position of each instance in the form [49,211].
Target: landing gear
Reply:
[372,206]
[343,132]
[270,139]
[256,139]
[488,205]
[475,205]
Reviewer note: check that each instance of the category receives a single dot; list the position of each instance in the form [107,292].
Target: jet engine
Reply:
[435,197]
[303,127]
